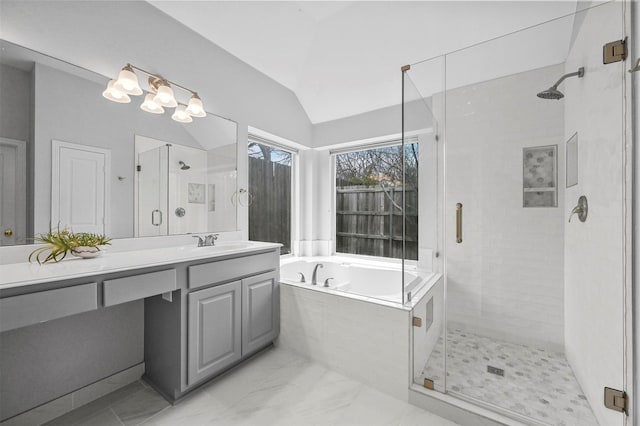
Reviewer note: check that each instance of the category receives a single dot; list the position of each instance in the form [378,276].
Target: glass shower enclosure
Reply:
[528,219]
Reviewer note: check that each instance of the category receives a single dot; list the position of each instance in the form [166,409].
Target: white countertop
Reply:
[25,273]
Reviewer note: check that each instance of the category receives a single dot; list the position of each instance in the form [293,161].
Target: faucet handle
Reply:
[200,240]
[326,282]
[302,279]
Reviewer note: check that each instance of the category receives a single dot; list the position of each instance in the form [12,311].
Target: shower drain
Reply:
[495,370]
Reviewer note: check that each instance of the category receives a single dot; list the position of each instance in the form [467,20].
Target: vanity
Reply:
[189,313]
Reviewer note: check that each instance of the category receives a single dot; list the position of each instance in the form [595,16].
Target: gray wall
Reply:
[48,360]
[380,122]
[15,86]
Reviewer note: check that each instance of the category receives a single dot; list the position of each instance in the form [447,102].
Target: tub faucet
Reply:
[326,282]
[200,240]
[302,279]
[314,277]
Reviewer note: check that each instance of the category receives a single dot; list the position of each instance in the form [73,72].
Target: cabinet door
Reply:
[260,314]
[214,330]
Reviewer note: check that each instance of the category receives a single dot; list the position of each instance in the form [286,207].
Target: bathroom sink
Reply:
[236,245]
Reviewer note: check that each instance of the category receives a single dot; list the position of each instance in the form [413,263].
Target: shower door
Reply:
[535,291]
[153,166]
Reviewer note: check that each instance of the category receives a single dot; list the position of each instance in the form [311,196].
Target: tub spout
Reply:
[314,277]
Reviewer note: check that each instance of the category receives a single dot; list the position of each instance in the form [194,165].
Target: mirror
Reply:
[56,128]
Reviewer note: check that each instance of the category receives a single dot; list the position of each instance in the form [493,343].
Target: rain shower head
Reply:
[183,166]
[553,92]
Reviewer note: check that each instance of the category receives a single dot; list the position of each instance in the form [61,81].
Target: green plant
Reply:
[59,243]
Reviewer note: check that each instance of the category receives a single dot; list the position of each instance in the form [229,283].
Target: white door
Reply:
[13,187]
[80,187]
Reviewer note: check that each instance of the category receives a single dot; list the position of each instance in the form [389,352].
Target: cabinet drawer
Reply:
[225,270]
[28,309]
[121,290]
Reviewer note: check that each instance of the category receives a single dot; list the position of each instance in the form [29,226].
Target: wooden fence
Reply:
[369,223]
[270,209]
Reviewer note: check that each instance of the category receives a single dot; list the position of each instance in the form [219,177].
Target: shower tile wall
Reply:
[506,278]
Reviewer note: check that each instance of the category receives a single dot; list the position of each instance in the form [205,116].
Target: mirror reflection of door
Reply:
[80,187]
[12,191]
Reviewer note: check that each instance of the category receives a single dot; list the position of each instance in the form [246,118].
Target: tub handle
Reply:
[302,279]
[326,282]
[458,223]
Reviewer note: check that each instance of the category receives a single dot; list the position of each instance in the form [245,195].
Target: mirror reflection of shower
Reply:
[183,166]
[553,92]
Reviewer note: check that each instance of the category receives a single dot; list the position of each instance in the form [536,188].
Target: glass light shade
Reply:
[180,115]
[114,94]
[127,82]
[164,97]
[195,107]
[150,105]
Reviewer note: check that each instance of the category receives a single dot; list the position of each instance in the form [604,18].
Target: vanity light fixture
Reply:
[160,94]
[150,105]
[115,95]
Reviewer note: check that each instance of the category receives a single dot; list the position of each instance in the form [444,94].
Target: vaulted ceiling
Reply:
[344,58]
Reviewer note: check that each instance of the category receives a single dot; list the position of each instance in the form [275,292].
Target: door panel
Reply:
[214,330]
[259,311]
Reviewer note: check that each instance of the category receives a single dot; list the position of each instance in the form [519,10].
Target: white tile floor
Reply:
[276,387]
[537,383]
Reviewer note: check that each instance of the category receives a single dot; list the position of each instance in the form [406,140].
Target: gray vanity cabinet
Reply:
[222,312]
[214,330]
[260,307]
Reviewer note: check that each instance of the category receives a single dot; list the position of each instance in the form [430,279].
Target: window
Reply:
[270,179]
[369,198]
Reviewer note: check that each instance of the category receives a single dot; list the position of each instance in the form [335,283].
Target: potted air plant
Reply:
[59,243]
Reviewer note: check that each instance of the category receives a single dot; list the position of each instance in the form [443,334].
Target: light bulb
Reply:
[164,97]
[127,82]
[180,115]
[195,107]
[114,94]
[149,105]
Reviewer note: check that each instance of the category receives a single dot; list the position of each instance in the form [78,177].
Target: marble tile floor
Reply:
[538,384]
[276,387]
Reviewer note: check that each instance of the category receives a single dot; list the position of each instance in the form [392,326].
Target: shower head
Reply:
[553,92]
[183,166]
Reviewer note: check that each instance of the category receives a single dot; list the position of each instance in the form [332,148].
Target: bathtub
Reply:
[368,279]
[358,326]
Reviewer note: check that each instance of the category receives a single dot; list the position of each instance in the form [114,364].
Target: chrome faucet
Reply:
[314,277]
[210,240]
[302,278]
[200,240]
[326,282]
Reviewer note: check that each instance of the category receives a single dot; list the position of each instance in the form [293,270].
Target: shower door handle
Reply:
[458,223]
[153,217]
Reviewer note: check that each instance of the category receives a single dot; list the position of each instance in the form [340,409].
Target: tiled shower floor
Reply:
[537,383]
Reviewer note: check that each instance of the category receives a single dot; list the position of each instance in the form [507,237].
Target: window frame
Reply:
[380,143]
[257,136]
